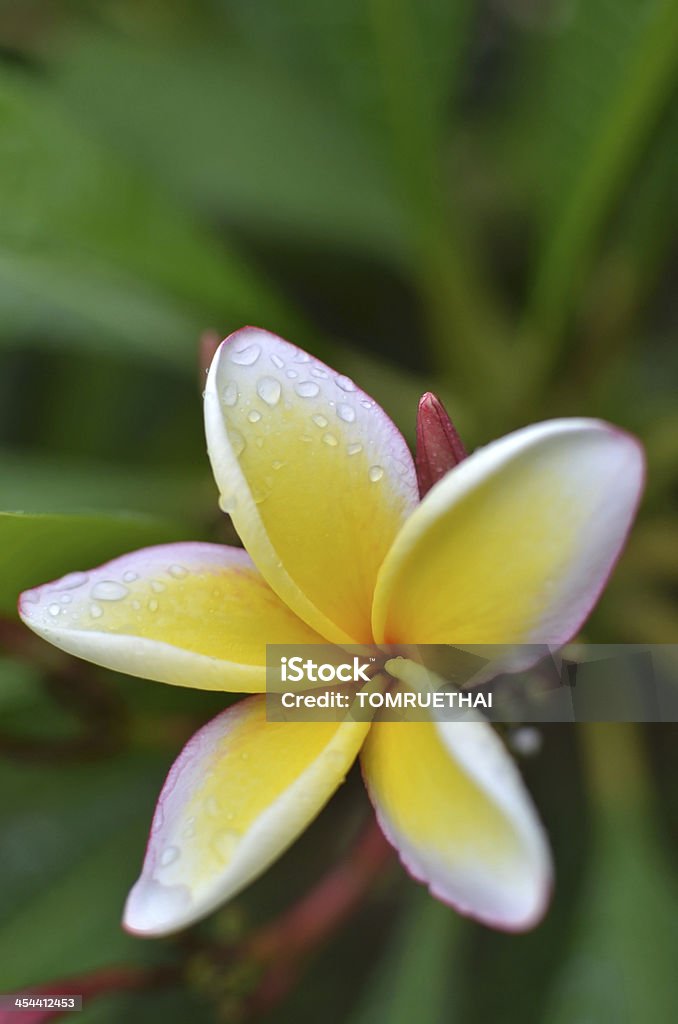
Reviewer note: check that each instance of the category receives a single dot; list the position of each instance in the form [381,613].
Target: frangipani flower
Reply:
[513,545]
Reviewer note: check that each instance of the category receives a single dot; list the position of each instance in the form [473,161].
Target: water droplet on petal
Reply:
[129,576]
[277,361]
[246,356]
[109,590]
[307,389]
[365,404]
[74,579]
[169,856]
[237,442]
[153,605]
[177,571]
[229,394]
[254,416]
[375,474]
[157,586]
[212,806]
[345,383]
[291,374]
[320,421]
[136,605]
[54,609]
[277,464]
[317,372]
[95,611]
[65,598]
[225,842]
[228,503]
[331,440]
[353,449]
[269,390]
[302,357]
[346,412]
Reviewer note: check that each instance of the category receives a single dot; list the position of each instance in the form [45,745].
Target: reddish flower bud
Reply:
[439,447]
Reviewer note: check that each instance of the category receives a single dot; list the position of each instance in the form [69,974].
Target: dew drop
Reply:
[317,372]
[259,442]
[177,571]
[302,357]
[254,416]
[95,611]
[365,404]
[346,412]
[129,576]
[136,605]
[246,356]
[320,421]
[109,590]
[269,390]
[291,374]
[277,361]
[157,586]
[65,598]
[229,394]
[237,442]
[225,842]
[212,806]
[277,464]
[307,389]
[228,503]
[331,440]
[167,901]
[169,856]
[353,449]
[345,383]
[74,579]
[375,474]
[54,609]
[153,605]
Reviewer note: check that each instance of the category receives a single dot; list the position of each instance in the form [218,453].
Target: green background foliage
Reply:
[473,198]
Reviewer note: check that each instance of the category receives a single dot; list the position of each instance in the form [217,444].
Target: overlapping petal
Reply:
[315,476]
[238,795]
[193,614]
[516,543]
[450,799]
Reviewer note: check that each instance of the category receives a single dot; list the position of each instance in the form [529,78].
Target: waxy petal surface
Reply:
[450,799]
[238,795]
[515,544]
[314,475]
[193,614]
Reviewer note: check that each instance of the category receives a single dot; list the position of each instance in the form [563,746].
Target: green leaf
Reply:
[621,961]
[415,978]
[30,481]
[88,239]
[605,80]
[71,843]
[259,145]
[36,548]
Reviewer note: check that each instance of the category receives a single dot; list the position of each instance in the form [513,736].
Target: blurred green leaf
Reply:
[415,980]
[86,237]
[29,482]
[258,147]
[71,843]
[621,963]
[604,81]
[36,548]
